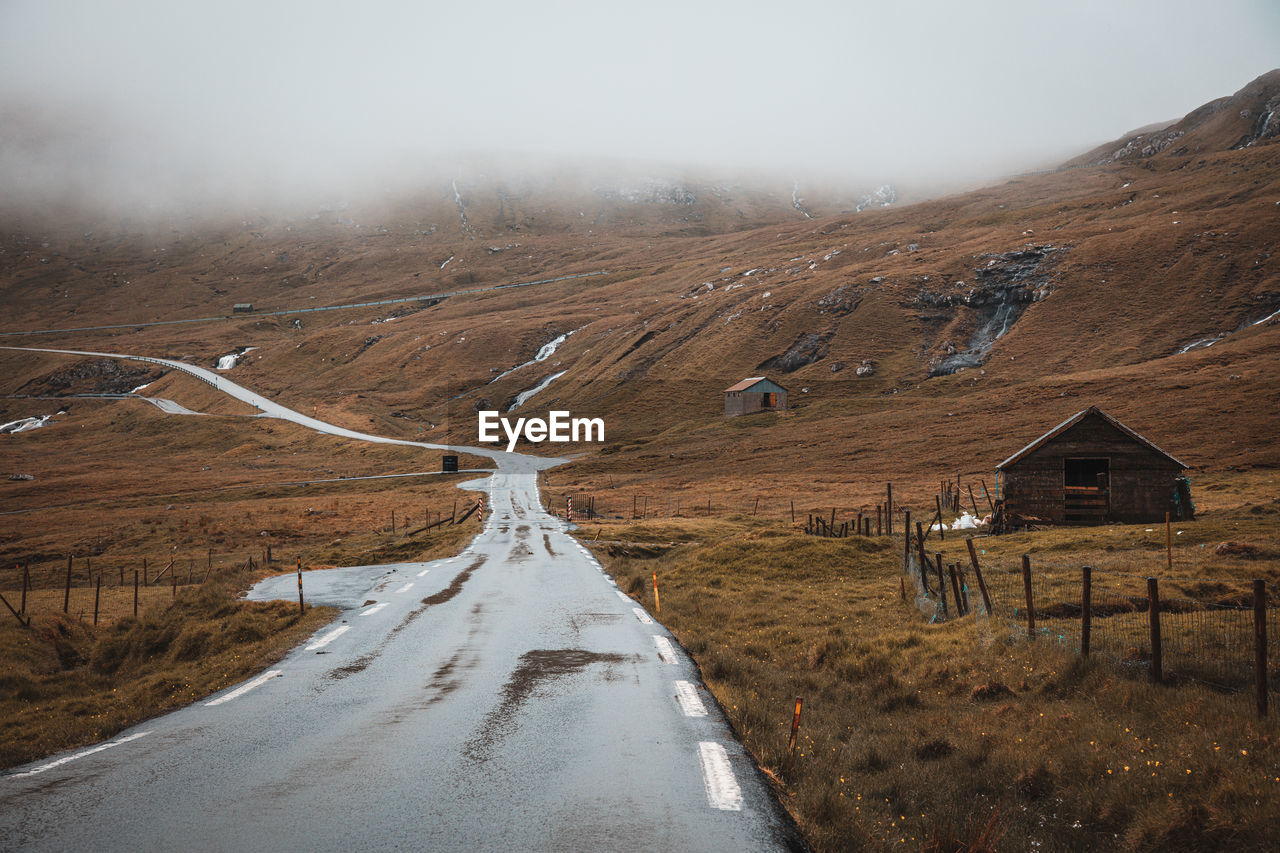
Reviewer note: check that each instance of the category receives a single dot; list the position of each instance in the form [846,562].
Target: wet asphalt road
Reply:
[509,698]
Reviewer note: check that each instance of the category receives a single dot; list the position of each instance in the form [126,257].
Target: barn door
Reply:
[1086,487]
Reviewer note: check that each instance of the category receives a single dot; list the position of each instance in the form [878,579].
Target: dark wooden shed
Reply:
[1092,469]
[756,394]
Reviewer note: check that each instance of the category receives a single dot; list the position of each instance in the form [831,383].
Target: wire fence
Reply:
[1209,630]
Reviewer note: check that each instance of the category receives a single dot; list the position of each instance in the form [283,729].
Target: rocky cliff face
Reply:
[1249,117]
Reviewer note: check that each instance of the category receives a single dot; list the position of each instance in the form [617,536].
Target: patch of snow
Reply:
[25,424]
[140,387]
[524,396]
[544,352]
[229,360]
[446,263]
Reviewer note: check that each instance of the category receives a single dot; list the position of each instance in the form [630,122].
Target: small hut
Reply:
[1091,469]
[756,394]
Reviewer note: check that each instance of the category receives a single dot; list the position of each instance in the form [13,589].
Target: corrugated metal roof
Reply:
[746,384]
[1072,421]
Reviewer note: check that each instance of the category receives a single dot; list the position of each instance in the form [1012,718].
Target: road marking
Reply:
[423,572]
[624,596]
[642,616]
[374,609]
[329,637]
[405,588]
[59,762]
[245,688]
[665,653]
[690,701]
[722,786]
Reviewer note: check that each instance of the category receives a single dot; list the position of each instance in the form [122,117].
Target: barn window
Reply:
[1082,473]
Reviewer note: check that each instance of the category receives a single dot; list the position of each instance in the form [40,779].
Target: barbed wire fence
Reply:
[1213,631]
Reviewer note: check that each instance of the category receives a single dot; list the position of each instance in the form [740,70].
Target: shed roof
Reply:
[1072,421]
[750,382]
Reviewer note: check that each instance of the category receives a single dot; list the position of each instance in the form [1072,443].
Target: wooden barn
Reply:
[1091,469]
[756,394]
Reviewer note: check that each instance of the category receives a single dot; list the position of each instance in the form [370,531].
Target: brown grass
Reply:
[64,683]
[952,736]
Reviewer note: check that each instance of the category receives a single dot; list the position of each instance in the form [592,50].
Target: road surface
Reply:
[508,698]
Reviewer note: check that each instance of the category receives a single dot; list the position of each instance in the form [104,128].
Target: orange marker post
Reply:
[795,726]
[657,607]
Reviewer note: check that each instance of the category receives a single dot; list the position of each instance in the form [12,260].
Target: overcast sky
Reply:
[203,93]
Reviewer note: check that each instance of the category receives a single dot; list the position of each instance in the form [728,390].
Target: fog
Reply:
[141,102]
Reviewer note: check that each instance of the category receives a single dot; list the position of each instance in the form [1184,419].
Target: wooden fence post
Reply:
[924,560]
[1260,643]
[793,510]
[26,582]
[990,504]
[942,528]
[1153,610]
[888,510]
[144,573]
[906,546]
[942,585]
[1168,541]
[135,594]
[66,596]
[955,587]
[977,571]
[1086,609]
[1031,607]
[97,595]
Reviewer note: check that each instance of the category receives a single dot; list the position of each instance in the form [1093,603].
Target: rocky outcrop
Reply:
[92,376]
[1004,285]
[808,348]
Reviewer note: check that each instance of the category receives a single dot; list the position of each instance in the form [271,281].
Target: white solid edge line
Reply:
[423,572]
[59,762]
[689,700]
[722,786]
[245,688]
[405,588]
[374,609]
[666,653]
[642,616]
[329,637]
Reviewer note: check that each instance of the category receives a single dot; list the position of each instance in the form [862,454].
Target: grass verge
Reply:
[64,683]
[953,736]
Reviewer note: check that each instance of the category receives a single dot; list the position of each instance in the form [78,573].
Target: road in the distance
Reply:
[509,698]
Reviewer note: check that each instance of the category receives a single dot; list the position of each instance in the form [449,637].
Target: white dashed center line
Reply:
[642,616]
[405,588]
[59,762]
[328,638]
[423,572]
[666,653]
[722,786]
[374,609]
[245,688]
[690,701]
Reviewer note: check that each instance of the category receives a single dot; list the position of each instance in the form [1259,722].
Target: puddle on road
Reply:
[580,620]
[536,667]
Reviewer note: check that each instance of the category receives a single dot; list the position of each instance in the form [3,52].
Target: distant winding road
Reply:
[508,698]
